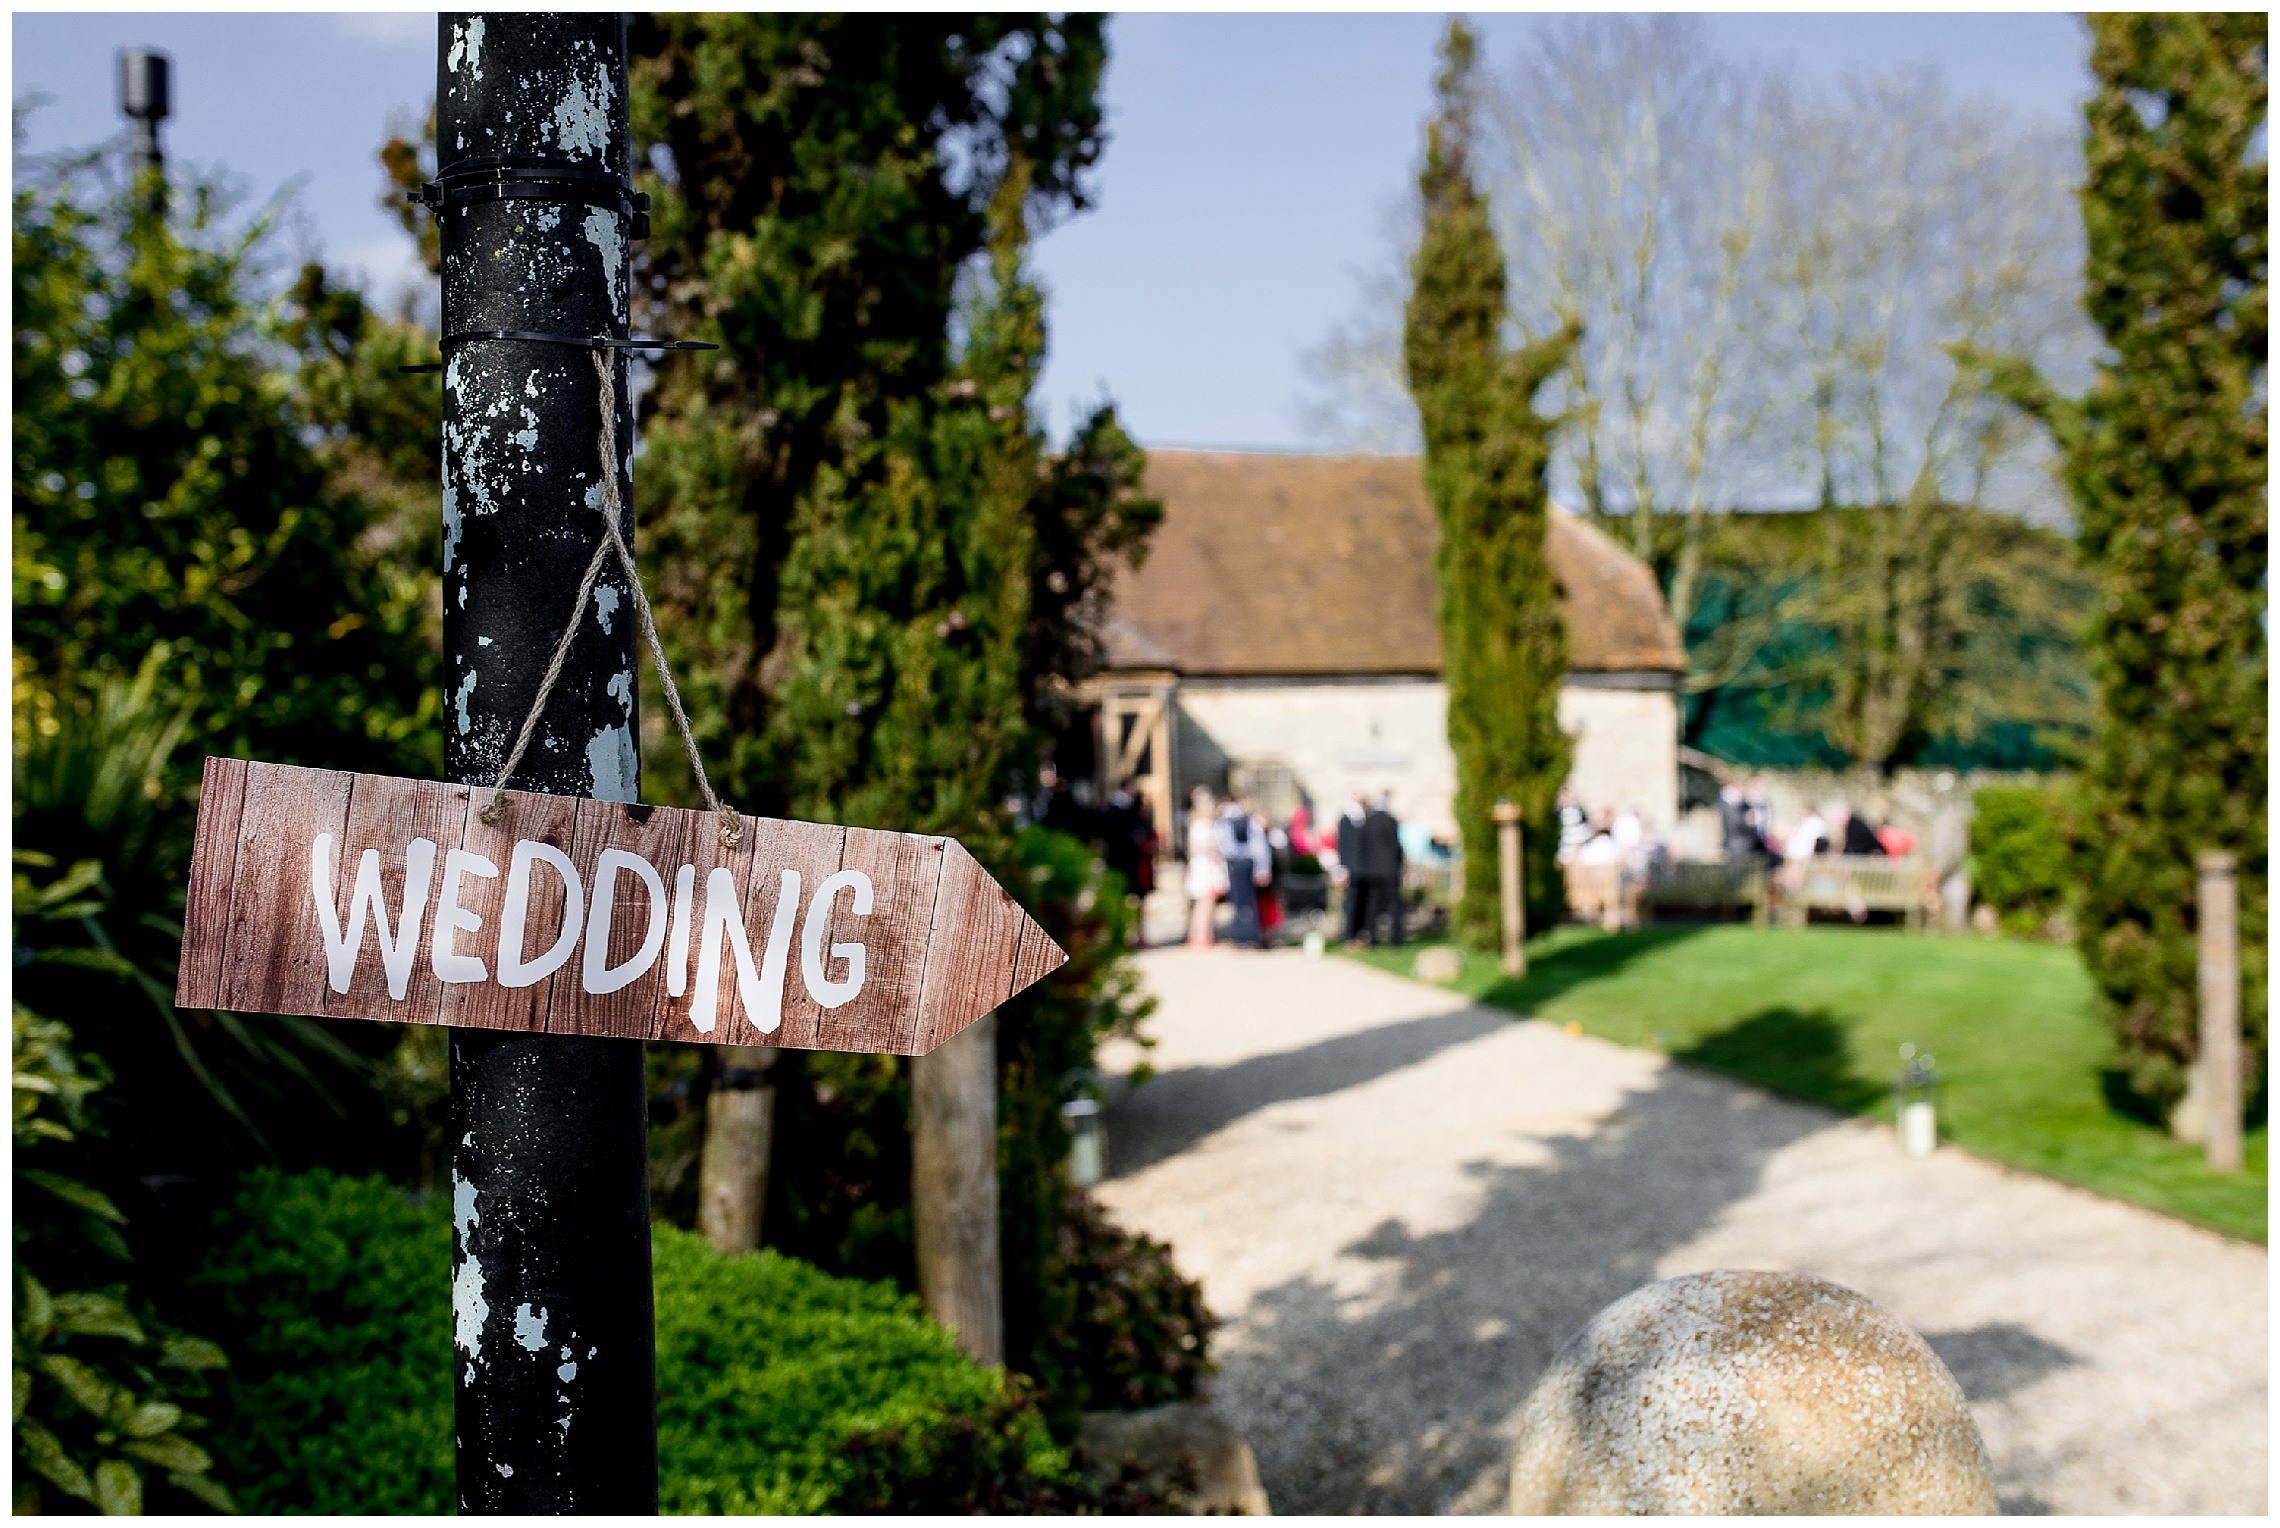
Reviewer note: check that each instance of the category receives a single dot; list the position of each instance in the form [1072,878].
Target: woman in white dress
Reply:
[1206,867]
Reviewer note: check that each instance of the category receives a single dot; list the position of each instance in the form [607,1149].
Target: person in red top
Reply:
[1301,830]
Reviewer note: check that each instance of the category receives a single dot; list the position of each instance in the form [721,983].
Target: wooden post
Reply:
[732,1177]
[1510,876]
[2220,1059]
[954,1188]
[555,1374]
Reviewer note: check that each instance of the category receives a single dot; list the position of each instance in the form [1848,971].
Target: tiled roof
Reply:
[1270,564]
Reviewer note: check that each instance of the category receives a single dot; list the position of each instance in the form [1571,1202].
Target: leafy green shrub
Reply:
[335,1293]
[95,1384]
[2167,455]
[172,482]
[1073,1292]
[2020,861]
[766,1366]
[779,1387]
[783,1389]
[1138,1333]
[984,1462]
[226,535]
[1048,1037]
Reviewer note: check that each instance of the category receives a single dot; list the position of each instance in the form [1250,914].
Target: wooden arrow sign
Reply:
[368,897]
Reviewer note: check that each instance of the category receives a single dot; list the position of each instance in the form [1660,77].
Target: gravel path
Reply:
[1403,1205]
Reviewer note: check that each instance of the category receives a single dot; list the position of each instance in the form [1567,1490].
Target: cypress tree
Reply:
[2166,457]
[879,577]
[806,221]
[905,592]
[1504,651]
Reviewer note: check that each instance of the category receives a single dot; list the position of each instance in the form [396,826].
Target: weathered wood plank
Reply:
[904,872]
[367,897]
[213,862]
[963,971]
[275,956]
[1039,956]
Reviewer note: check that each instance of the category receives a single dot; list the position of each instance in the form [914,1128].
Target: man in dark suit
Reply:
[1344,840]
[1376,871]
[1734,826]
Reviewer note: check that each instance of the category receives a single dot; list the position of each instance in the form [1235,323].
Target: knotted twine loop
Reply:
[731,826]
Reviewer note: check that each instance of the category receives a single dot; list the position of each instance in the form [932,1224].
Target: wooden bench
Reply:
[1858,884]
[1706,886]
[1598,894]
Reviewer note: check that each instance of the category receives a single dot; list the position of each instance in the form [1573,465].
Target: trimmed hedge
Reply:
[332,1297]
[766,1367]
[2021,863]
[780,1387]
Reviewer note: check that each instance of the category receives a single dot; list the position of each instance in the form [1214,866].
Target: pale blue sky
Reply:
[1250,161]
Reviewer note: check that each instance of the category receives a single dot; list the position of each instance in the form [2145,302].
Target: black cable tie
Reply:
[582,341]
[496,178]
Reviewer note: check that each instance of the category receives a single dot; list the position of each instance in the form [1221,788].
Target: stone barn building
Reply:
[1282,638]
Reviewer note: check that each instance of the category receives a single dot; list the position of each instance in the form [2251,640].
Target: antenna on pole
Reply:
[146,99]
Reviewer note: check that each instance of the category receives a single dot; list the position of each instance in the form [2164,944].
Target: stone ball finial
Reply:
[1742,1392]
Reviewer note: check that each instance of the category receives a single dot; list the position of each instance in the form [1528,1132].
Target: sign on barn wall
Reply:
[318,892]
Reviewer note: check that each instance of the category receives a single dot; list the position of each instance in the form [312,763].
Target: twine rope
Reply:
[731,826]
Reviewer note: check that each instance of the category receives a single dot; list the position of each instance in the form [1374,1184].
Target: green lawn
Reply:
[1821,1013]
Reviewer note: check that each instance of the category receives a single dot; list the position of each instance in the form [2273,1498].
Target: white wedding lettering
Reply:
[723,920]
[514,971]
[677,947]
[366,897]
[451,918]
[599,976]
[831,994]
[779,951]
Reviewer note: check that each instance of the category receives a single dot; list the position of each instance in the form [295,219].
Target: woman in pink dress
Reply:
[1206,868]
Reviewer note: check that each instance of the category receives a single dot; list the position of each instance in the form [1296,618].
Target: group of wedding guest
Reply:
[1833,828]
[1235,855]
[1607,857]
[1230,857]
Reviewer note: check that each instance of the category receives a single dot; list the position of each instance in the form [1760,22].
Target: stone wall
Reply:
[1391,734]
[1335,735]
[1626,750]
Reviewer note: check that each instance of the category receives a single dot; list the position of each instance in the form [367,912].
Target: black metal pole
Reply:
[556,1342]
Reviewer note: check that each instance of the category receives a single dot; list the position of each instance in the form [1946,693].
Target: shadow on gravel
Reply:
[1991,1361]
[1401,1408]
[1173,1110]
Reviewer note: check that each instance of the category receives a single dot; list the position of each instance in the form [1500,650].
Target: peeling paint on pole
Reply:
[552,1321]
